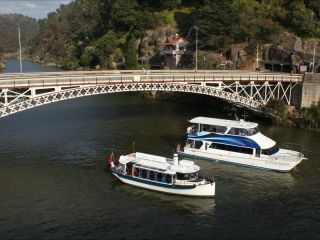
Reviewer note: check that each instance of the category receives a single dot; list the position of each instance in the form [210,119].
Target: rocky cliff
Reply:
[286,49]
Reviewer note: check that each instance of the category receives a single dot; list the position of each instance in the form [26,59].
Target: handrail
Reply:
[188,77]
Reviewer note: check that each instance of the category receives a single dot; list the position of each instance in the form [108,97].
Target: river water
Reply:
[54,183]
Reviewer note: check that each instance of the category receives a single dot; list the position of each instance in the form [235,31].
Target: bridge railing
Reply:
[52,81]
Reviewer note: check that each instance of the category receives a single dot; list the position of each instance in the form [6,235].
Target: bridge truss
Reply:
[251,90]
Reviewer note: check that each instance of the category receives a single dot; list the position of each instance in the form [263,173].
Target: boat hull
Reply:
[266,164]
[205,190]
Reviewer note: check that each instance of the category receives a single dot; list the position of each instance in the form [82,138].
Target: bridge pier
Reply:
[310,90]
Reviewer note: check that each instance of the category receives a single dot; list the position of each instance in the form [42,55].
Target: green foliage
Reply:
[105,46]
[130,54]
[300,19]
[278,110]
[70,64]
[104,26]
[215,20]
[86,59]
[205,60]
[125,14]
[9,31]
[166,17]
[277,107]
[312,115]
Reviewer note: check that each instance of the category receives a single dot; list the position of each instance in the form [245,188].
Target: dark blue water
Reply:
[54,183]
[13,66]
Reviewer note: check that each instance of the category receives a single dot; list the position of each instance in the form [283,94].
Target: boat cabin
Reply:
[158,169]
[223,126]
[229,135]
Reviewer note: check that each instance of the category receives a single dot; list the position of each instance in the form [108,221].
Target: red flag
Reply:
[111,159]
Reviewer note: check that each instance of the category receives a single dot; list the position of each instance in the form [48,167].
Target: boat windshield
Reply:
[189,176]
[270,151]
[194,144]
[243,131]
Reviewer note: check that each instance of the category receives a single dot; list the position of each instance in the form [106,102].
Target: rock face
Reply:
[286,48]
[151,43]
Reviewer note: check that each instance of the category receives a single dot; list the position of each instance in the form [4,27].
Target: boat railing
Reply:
[198,181]
[297,147]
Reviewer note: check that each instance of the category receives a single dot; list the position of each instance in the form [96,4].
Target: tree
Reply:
[130,54]
[125,14]
[215,20]
[313,116]
[85,59]
[300,19]
[105,46]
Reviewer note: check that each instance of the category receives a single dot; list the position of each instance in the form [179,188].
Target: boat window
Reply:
[129,168]
[144,173]
[194,144]
[238,131]
[136,172]
[253,131]
[270,151]
[192,129]
[181,176]
[159,177]
[197,144]
[168,179]
[189,143]
[151,175]
[190,176]
[213,128]
[232,148]
[243,131]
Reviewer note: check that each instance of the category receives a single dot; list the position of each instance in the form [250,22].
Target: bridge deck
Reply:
[76,78]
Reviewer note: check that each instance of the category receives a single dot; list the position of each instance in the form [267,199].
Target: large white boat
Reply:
[161,174]
[237,142]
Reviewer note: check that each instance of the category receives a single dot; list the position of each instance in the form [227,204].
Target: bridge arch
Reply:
[26,101]
[249,89]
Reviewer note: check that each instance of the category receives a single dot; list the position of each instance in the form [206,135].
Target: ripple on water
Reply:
[54,182]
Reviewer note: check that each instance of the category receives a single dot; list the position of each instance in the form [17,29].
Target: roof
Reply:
[223,122]
[154,165]
[185,166]
[173,41]
[155,162]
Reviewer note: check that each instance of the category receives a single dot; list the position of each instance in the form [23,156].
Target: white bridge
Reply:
[19,92]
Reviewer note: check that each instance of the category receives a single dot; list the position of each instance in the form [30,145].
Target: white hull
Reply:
[205,190]
[280,164]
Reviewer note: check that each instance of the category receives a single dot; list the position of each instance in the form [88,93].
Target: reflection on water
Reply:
[193,205]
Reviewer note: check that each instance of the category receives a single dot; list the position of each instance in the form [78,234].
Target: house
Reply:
[175,49]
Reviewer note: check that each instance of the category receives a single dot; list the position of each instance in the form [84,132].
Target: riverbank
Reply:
[306,118]
[2,64]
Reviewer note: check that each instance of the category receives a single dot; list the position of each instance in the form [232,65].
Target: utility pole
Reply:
[257,57]
[196,28]
[313,58]
[20,49]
